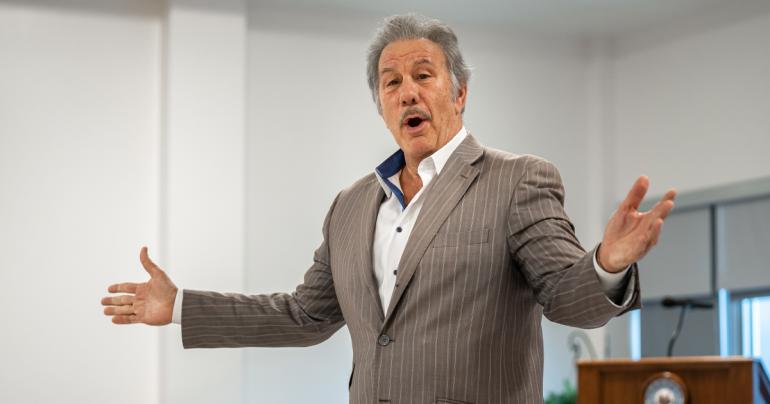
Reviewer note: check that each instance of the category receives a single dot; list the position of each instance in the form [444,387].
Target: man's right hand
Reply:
[151,302]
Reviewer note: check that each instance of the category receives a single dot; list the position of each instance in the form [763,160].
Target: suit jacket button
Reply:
[384,340]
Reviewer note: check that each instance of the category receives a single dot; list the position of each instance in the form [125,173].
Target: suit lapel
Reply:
[372,200]
[441,196]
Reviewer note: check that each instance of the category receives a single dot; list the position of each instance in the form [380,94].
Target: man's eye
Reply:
[423,76]
[392,83]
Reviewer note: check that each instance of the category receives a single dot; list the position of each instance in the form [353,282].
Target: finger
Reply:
[119,310]
[666,200]
[126,287]
[655,232]
[660,210]
[653,237]
[147,263]
[656,228]
[670,194]
[118,300]
[125,319]
[636,194]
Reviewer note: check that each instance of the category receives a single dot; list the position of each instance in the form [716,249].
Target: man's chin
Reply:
[419,146]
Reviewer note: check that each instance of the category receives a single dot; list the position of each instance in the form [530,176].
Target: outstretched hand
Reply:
[151,302]
[630,234]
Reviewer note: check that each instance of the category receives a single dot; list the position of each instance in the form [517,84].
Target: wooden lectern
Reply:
[703,380]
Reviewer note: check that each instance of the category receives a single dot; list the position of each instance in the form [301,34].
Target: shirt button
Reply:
[399,229]
[384,340]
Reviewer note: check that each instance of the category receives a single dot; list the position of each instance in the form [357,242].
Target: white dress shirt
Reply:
[395,221]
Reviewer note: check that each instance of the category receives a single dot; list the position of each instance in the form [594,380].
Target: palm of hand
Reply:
[630,234]
[151,302]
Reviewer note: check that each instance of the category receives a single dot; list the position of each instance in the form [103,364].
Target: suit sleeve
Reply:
[544,248]
[308,316]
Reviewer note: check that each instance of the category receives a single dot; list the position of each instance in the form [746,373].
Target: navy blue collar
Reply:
[390,167]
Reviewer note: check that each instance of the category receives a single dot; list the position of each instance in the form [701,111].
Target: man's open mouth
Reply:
[414,121]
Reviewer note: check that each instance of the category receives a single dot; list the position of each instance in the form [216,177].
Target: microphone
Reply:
[691,303]
[685,304]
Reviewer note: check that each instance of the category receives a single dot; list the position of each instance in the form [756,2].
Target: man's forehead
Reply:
[413,51]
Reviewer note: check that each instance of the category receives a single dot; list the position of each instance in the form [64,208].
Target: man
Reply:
[441,263]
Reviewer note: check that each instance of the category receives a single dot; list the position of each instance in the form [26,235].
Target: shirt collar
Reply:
[393,164]
[441,156]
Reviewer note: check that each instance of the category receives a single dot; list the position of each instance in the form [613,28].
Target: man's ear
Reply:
[462,94]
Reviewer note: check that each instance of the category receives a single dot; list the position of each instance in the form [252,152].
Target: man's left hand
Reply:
[630,234]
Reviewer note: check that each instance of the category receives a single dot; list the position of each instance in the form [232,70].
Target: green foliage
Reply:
[566,396]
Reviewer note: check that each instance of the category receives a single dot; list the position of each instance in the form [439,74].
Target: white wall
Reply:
[121,125]
[79,128]
[692,110]
[312,130]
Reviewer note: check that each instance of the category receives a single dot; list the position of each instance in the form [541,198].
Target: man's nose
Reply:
[409,94]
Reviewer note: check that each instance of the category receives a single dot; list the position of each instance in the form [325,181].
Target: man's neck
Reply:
[411,163]
[410,182]
[409,178]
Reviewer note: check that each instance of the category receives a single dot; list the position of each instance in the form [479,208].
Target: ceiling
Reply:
[553,17]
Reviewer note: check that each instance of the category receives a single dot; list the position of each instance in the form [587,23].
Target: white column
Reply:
[203,183]
[612,339]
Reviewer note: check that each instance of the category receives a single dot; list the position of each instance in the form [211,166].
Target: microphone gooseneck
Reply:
[685,304]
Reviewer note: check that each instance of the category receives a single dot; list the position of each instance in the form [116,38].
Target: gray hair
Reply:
[413,26]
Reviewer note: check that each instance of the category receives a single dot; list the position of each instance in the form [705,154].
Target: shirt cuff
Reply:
[176,315]
[613,283]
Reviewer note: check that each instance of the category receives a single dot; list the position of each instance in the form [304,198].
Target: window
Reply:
[755,327]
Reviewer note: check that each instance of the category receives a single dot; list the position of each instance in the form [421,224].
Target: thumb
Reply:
[147,263]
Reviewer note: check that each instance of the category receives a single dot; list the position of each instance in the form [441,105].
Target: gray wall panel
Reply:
[698,335]
[681,262]
[744,245]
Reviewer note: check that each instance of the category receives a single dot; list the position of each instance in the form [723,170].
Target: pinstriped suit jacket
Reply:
[491,252]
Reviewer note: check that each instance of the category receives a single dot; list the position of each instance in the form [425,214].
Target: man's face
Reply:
[416,97]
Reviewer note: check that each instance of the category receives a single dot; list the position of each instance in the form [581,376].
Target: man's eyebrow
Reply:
[424,61]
